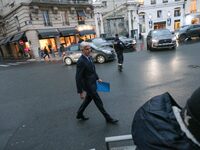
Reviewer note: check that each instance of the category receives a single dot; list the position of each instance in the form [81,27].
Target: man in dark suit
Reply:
[86,78]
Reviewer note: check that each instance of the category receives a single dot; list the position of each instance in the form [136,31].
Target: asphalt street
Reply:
[38,100]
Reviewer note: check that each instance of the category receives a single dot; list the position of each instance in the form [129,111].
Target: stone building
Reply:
[141,16]
[34,24]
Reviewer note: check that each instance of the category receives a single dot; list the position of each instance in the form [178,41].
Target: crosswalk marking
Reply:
[12,64]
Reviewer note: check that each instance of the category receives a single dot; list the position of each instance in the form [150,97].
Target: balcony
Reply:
[61,1]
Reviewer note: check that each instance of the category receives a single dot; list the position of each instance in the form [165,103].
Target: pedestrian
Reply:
[161,124]
[61,50]
[46,53]
[80,40]
[86,78]
[119,48]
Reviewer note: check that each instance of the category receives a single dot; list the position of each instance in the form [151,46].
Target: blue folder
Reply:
[103,86]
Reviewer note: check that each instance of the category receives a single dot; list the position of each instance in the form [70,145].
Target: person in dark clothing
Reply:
[119,48]
[161,124]
[80,40]
[46,53]
[86,78]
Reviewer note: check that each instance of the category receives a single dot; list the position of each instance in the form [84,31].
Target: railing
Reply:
[62,1]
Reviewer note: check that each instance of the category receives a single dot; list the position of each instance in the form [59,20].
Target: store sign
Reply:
[21,42]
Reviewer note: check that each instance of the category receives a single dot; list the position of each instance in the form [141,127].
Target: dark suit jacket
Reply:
[86,76]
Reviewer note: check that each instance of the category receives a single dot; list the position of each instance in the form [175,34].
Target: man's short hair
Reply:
[83,45]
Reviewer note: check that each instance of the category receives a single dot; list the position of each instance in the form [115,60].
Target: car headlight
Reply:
[174,38]
[133,42]
[107,51]
[155,40]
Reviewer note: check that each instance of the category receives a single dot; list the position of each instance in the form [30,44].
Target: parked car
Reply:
[99,55]
[187,32]
[129,43]
[99,42]
[160,38]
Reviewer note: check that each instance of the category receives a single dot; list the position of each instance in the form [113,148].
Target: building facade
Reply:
[192,12]
[159,14]
[139,16]
[35,24]
[116,17]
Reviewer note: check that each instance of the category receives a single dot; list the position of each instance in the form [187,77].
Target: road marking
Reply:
[4,65]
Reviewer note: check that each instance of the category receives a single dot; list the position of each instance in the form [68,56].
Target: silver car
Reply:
[99,54]
[160,39]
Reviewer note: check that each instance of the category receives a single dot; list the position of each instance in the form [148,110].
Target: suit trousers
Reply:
[98,102]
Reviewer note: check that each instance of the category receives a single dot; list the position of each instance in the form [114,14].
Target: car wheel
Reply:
[182,38]
[100,59]
[68,61]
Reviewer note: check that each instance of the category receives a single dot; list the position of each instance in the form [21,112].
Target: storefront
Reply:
[6,48]
[192,18]
[47,38]
[160,25]
[86,32]
[20,45]
[68,36]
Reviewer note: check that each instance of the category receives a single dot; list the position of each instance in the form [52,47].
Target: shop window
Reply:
[176,24]
[165,1]
[46,18]
[47,43]
[177,12]
[153,1]
[159,13]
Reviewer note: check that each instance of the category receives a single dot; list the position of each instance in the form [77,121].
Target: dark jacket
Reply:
[86,76]
[118,45]
[155,127]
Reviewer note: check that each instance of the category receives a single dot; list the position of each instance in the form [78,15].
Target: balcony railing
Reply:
[61,1]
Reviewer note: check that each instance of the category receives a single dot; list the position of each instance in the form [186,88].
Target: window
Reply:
[81,16]
[177,12]
[17,23]
[165,1]
[177,24]
[46,18]
[104,3]
[153,1]
[159,13]
[64,18]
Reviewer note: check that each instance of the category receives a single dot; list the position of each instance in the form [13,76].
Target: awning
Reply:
[68,31]
[18,37]
[81,13]
[47,33]
[86,32]
[7,40]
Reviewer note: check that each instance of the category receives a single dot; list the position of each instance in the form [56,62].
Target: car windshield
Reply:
[160,32]
[92,45]
[99,42]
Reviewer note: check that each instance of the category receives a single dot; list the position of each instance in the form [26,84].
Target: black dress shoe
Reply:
[112,121]
[81,117]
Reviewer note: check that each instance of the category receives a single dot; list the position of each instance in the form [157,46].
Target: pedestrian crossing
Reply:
[5,65]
